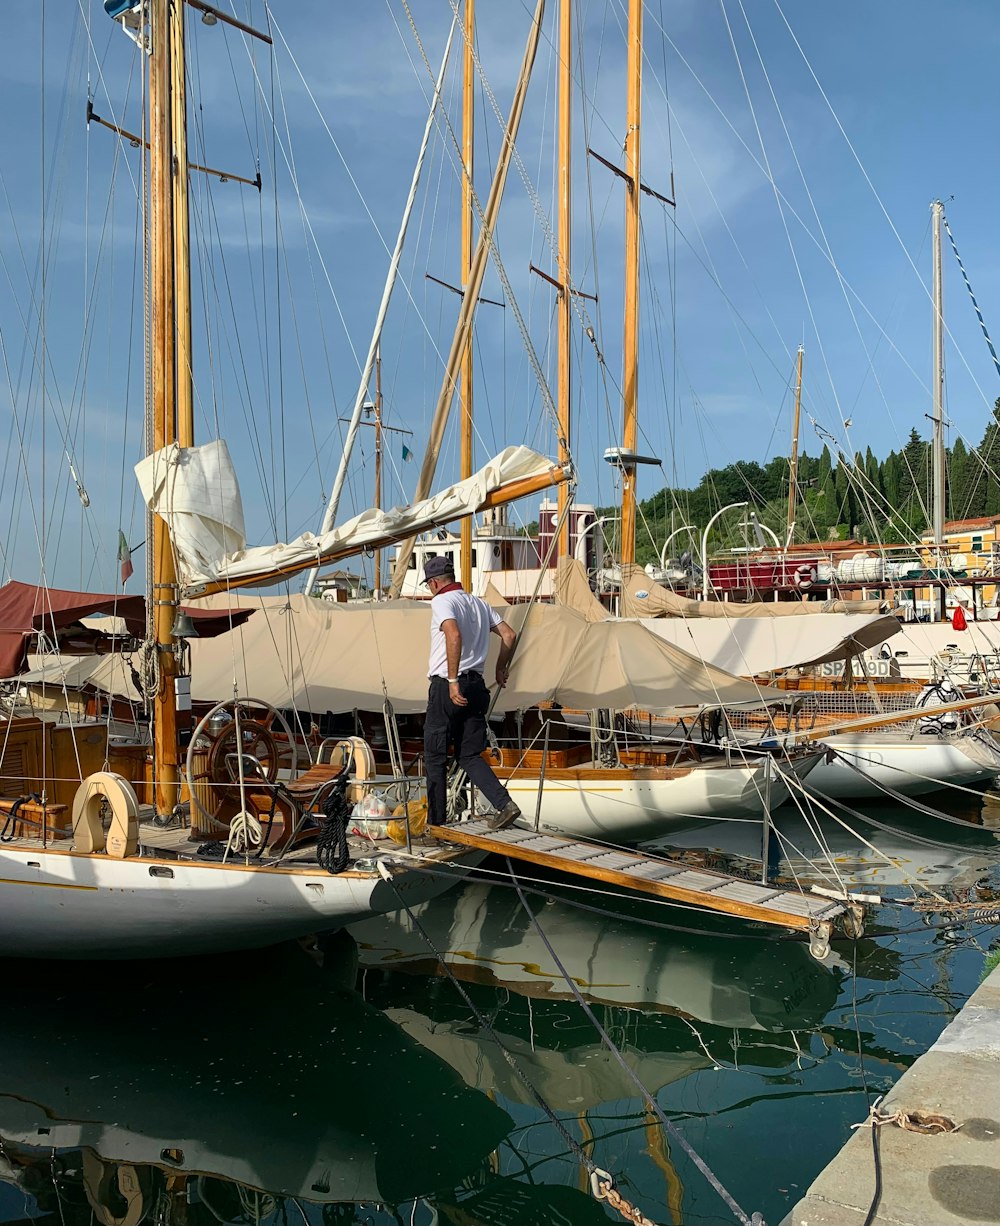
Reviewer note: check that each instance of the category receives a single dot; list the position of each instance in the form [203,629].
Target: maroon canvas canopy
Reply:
[26,609]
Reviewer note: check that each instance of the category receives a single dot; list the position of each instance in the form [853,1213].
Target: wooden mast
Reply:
[471,294]
[793,467]
[163,399]
[181,229]
[630,371]
[465,378]
[565,304]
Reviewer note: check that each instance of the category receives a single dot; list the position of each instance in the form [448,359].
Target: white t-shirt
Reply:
[475,619]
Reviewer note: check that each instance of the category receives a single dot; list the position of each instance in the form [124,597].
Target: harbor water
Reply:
[439,1068]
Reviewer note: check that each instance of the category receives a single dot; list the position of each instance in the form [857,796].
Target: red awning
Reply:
[26,610]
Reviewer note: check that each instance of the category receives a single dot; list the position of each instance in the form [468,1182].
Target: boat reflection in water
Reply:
[648,984]
[261,1089]
[220,1088]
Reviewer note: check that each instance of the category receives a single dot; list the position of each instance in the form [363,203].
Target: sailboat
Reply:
[281,865]
[612,792]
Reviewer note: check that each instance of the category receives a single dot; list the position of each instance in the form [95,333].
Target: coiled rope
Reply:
[332,851]
[10,825]
[244,832]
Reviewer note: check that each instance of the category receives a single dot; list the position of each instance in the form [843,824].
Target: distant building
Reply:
[971,545]
[504,556]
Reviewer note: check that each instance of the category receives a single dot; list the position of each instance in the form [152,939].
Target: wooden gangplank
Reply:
[647,874]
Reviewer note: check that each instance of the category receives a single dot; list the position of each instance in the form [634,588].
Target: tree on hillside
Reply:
[960,480]
[891,469]
[984,465]
[874,489]
[914,470]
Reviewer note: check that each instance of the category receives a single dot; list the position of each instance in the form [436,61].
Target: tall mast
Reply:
[465,380]
[565,305]
[937,212]
[630,371]
[165,38]
[378,458]
[181,230]
[793,473]
[361,396]
[470,297]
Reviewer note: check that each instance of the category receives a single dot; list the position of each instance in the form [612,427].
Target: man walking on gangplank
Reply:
[458,699]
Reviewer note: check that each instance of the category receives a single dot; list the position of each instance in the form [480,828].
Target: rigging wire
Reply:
[651,1103]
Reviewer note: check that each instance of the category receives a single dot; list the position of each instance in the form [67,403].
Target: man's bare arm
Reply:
[508,639]
[453,653]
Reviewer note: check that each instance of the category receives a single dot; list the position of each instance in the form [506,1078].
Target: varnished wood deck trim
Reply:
[601,774]
[648,874]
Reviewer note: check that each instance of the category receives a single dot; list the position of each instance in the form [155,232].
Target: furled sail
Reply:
[196,491]
[642,597]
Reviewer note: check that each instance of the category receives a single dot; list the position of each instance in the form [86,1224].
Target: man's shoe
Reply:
[507,816]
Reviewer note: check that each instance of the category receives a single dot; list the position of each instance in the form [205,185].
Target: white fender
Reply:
[122,839]
[363,759]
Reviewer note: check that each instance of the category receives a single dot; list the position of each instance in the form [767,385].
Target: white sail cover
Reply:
[319,656]
[745,645]
[751,646]
[195,490]
[642,597]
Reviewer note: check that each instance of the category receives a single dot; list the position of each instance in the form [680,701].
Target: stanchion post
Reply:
[541,774]
[765,837]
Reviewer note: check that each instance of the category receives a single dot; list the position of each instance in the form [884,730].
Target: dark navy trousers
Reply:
[465,728]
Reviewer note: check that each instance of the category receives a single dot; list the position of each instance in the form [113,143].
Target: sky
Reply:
[803,144]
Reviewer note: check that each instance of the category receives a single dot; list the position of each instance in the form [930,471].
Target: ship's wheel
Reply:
[231,735]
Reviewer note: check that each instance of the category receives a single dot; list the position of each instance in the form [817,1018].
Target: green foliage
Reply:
[990,964]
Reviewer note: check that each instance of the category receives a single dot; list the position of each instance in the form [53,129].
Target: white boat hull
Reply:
[912,765]
[624,807]
[56,904]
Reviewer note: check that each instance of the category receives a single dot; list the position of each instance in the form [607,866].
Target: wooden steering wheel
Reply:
[229,730]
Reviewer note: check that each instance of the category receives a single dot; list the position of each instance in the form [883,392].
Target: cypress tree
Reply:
[959,481]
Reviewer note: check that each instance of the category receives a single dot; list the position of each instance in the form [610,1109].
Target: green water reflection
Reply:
[352,1083]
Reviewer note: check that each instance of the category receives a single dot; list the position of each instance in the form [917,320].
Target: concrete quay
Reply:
[946,1179]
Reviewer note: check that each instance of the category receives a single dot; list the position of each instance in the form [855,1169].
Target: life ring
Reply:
[804,576]
[122,839]
[362,764]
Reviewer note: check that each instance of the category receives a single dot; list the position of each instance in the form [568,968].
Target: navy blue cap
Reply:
[437,567]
